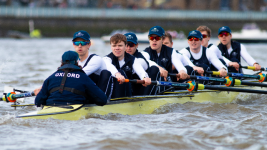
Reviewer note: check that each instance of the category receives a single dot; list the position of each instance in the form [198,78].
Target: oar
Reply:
[192,86]
[261,77]
[228,81]
[12,97]
[253,68]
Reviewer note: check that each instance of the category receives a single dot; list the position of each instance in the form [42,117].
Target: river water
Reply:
[26,63]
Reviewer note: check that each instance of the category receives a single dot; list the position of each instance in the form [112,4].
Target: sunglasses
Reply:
[204,35]
[77,43]
[130,44]
[224,33]
[154,37]
[193,38]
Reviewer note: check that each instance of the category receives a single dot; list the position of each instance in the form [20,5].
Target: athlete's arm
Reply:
[110,67]
[217,63]
[138,69]
[93,65]
[246,56]
[177,62]
[150,62]
[142,62]
[216,50]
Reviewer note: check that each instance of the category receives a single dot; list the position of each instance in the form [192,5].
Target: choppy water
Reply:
[24,64]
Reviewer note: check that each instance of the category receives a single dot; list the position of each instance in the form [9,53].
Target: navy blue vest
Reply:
[139,55]
[164,59]
[127,67]
[209,45]
[235,54]
[90,57]
[203,60]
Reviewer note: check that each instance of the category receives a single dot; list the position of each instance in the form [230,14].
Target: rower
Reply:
[70,85]
[153,71]
[123,65]
[233,50]
[93,65]
[161,55]
[167,40]
[206,34]
[199,54]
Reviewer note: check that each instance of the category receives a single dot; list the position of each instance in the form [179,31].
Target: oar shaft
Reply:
[253,84]
[208,79]
[159,83]
[15,96]
[243,75]
[234,89]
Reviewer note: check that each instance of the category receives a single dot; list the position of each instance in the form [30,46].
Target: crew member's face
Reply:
[206,38]
[225,38]
[167,42]
[131,48]
[118,49]
[155,42]
[194,43]
[82,50]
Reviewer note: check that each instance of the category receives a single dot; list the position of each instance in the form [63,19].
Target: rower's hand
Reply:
[37,90]
[257,67]
[120,78]
[183,75]
[163,73]
[199,70]
[147,82]
[223,72]
[234,64]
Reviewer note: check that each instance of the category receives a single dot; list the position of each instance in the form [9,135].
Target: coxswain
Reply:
[163,56]
[153,71]
[233,50]
[70,85]
[123,65]
[200,56]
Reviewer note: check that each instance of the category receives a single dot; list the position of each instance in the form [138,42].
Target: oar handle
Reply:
[253,68]
[140,81]
[213,72]
[177,75]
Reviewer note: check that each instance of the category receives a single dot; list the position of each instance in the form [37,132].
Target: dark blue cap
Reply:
[131,37]
[158,30]
[195,33]
[81,34]
[70,57]
[224,29]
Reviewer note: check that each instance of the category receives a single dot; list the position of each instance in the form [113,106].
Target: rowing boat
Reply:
[135,105]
